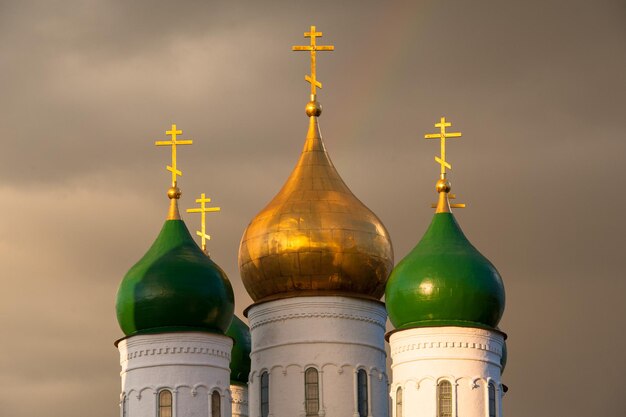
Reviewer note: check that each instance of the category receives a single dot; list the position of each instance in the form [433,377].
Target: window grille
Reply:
[265,394]
[444,399]
[165,403]
[492,400]
[311,392]
[362,392]
[399,402]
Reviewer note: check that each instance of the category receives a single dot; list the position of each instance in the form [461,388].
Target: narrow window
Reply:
[311,392]
[216,404]
[265,394]
[165,403]
[399,402]
[444,399]
[492,400]
[361,381]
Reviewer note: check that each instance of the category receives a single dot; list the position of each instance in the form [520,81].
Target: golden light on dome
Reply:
[315,237]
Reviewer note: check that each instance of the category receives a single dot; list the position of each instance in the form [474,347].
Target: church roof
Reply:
[315,237]
[444,280]
[175,286]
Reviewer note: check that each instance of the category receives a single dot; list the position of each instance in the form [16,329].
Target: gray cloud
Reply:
[536,87]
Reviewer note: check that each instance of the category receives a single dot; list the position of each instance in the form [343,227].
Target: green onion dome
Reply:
[174,287]
[240,358]
[445,281]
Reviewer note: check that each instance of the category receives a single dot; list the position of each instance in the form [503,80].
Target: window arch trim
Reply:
[492,399]
[123,404]
[216,403]
[165,403]
[445,398]
[311,391]
[264,393]
[398,409]
[362,390]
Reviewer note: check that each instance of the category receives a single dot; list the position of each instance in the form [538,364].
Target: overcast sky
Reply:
[538,89]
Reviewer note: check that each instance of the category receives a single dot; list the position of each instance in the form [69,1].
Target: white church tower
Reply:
[445,300]
[174,307]
[315,261]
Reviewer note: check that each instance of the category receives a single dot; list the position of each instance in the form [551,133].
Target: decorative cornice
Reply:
[405,347]
[175,337]
[175,350]
[306,315]
[318,307]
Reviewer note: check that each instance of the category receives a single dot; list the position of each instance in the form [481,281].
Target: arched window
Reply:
[165,403]
[492,400]
[216,404]
[399,402]
[361,382]
[444,399]
[311,392]
[265,394]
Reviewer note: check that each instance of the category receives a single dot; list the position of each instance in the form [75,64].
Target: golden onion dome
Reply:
[315,237]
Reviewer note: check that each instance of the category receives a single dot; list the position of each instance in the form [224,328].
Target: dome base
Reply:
[444,323]
[311,293]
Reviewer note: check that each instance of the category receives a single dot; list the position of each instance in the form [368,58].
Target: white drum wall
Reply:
[336,335]
[467,357]
[191,365]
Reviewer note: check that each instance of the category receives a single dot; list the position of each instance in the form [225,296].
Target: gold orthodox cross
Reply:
[313,48]
[173,133]
[203,210]
[443,135]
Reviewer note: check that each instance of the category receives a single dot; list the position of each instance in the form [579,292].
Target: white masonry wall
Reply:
[337,336]
[190,364]
[467,357]
[239,394]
